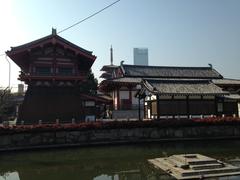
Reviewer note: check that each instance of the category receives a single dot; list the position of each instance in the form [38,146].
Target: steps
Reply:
[206,166]
[194,166]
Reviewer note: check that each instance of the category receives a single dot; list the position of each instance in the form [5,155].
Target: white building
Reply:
[140,56]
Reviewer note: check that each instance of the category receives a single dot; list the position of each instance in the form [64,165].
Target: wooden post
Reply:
[188,110]
[118,100]
[139,108]
[144,109]
[130,97]
[158,107]
[216,105]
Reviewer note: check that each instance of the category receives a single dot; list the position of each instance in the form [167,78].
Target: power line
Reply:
[88,17]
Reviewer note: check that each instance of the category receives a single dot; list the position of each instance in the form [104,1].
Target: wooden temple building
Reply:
[171,92]
[54,70]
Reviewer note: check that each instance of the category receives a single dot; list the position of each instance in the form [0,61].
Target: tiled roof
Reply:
[38,41]
[232,96]
[170,72]
[183,87]
[106,75]
[109,68]
[112,83]
[226,81]
[127,80]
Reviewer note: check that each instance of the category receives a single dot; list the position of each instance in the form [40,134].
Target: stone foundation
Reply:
[69,138]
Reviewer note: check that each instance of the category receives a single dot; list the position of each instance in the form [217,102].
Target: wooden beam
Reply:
[130,96]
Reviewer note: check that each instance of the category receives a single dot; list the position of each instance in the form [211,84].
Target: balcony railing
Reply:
[56,76]
[53,74]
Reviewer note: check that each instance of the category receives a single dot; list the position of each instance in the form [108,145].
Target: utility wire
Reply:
[88,17]
[94,14]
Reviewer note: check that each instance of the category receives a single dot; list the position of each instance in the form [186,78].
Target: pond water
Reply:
[125,162]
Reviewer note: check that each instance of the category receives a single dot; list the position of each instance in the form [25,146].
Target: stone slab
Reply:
[194,166]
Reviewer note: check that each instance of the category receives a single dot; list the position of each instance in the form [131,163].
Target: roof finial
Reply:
[54,31]
[210,65]
[111,55]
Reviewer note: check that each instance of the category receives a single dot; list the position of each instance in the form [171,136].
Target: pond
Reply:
[125,162]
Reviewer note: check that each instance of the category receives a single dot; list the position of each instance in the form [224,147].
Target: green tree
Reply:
[5,102]
[90,85]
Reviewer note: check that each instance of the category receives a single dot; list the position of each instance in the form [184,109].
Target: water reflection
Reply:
[108,163]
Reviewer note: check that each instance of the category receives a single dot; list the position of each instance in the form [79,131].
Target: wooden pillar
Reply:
[216,105]
[238,109]
[130,97]
[54,66]
[188,110]
[118,99]
[158,107]
[139,108]
[144,109]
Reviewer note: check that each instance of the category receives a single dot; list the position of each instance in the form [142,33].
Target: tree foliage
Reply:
[90,85]
[5,102]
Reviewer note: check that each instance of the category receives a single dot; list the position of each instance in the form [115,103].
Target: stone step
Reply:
[165,165]
[203,162]
[178,166]
[177,163]
[193,162]
[206,166]
[208,171]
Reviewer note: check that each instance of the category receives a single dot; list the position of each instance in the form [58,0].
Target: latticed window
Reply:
[66,71]
[43,71]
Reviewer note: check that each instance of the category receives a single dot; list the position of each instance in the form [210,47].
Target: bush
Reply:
[167,123]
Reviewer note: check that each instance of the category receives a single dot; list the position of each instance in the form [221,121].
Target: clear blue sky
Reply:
[176,32]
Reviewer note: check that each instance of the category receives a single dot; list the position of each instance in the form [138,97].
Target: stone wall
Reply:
[49,139]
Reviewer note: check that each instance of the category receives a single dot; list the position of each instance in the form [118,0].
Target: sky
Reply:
[176,32]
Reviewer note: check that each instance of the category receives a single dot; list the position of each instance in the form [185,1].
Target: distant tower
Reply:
[111,55]
[140,56]
[109,69]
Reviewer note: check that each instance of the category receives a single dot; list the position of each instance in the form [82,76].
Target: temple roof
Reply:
[121,81]
[232,96]
[170,72]
[183,87]
[20,54]
[108,68]
[97,98]
[127,80]
[106,75]
[45,40]
[226,81]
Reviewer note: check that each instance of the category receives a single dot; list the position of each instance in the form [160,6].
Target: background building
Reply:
[140,56]
[169,91]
